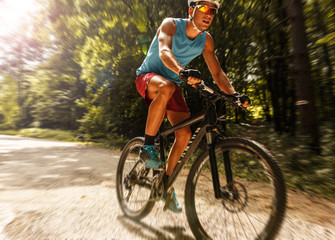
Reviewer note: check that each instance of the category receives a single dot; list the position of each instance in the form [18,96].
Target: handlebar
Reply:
[216,95]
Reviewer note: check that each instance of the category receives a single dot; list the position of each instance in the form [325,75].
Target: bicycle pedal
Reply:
[159,169]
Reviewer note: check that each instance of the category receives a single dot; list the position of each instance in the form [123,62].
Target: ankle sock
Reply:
[149,140]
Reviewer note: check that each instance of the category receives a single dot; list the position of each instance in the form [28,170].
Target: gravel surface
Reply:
[59,190]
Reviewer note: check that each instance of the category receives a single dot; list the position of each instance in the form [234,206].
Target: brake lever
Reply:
[236,104]
[204,87]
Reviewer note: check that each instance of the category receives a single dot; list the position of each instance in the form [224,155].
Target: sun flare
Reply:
[14,13]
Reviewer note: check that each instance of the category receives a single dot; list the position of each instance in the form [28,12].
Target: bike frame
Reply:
[208,127]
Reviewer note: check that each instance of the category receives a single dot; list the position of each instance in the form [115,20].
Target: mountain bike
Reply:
[234,189]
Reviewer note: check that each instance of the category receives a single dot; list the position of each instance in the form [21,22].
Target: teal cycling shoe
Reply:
[172,203]
[149,155]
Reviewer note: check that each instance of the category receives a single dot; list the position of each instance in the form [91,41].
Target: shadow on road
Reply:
[146,231]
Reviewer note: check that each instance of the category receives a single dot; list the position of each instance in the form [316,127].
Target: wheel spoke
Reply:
[239,219]
[247,215]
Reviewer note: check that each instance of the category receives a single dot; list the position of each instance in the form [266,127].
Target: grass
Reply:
[62,135]
[54,134]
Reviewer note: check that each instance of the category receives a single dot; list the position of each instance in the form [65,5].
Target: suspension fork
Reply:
[211,140]
[210,136]
[226,161]
[227,167]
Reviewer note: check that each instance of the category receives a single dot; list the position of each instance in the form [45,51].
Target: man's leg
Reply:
[159,90]
[182,137]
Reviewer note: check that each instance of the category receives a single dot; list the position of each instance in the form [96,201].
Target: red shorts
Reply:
[176,103]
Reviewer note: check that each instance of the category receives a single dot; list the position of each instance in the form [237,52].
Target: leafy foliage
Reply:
[9,109]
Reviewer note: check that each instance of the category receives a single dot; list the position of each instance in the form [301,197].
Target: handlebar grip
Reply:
[183,76]
[185,73]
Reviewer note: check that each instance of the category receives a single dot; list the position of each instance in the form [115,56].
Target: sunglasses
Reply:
[206,9]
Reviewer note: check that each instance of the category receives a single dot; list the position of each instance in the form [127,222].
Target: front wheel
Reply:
[250,207]
[134,181]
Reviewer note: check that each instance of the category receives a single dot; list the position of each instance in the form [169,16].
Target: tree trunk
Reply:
[302,74]
[327,96]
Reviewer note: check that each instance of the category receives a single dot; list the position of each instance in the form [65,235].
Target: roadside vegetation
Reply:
[54,134]
[303,169]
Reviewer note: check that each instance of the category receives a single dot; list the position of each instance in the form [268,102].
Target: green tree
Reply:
[9,108]
[109,60]
[21,51]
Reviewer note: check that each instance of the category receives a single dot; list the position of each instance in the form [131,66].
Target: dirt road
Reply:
[59,190]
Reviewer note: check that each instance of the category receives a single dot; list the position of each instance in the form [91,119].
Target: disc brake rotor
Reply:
[236,197]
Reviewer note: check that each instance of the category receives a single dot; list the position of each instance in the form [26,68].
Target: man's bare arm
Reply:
[165,34]
[214,67]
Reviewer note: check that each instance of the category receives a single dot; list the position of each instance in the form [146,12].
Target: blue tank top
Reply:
[184,49]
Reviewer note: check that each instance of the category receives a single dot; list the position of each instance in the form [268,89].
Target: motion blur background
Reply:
[69,66]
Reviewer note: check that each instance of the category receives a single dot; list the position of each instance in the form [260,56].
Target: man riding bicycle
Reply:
[176,44]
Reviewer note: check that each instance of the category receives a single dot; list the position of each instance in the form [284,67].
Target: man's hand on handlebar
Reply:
[191,76]
[243,100]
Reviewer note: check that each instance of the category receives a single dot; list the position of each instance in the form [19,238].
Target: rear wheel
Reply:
[251,207]
[134,181]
